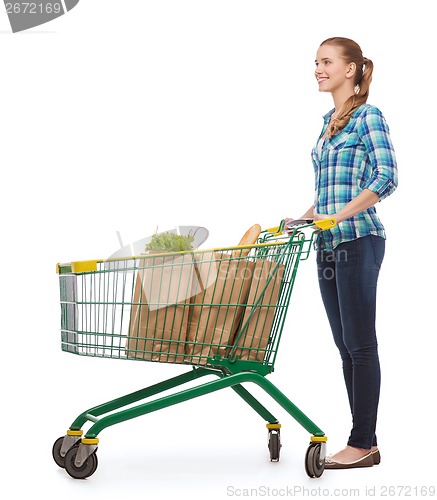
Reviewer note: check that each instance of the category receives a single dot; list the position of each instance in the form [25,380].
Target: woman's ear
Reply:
[350,72]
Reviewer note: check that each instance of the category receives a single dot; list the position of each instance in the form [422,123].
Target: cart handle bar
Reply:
[84,266]
[91,265]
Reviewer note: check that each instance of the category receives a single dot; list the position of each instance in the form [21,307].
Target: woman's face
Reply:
[332,72]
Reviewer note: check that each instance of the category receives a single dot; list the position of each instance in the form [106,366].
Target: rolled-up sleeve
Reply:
[374,132]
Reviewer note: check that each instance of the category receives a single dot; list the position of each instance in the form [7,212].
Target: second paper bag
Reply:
[221,288]
[262,301]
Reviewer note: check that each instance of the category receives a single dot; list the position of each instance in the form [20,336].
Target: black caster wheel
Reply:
[87,469]
[274,445]
[314,463]
[56,452]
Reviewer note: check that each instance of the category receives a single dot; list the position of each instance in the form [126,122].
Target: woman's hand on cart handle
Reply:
[306,218]
[321,223]
[290,223]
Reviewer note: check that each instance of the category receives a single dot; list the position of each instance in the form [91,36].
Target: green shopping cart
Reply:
[221,311]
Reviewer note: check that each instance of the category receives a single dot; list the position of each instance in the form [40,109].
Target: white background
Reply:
[131,114]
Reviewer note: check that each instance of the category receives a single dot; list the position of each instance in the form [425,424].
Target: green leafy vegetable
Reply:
[170,242]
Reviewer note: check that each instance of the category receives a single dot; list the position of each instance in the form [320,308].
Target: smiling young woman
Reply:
[355,168]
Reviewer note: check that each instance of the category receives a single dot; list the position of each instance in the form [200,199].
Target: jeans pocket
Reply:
[378,245]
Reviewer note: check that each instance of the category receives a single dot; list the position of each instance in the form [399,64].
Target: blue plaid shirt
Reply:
[360,156]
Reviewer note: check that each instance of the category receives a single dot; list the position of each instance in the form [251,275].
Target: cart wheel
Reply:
[274,445]
[87,469]
[314,465]
[56,452]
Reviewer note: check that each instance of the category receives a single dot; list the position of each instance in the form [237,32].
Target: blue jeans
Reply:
[348,278]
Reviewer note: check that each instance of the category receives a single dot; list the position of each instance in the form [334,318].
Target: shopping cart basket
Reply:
[222,311]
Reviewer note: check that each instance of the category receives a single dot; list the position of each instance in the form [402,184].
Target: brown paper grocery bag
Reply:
[255,335]
[159,314]
[221,287]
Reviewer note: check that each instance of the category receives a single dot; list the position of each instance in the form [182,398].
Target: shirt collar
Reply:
[328,115]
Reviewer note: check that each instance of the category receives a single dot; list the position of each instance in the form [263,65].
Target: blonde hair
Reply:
[351,52]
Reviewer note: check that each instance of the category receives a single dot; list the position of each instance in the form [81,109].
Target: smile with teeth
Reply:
[322,79]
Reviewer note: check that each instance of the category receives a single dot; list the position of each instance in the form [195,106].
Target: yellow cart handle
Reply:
[326,223]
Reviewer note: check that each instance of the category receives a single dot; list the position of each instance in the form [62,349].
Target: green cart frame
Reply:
[221,311]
